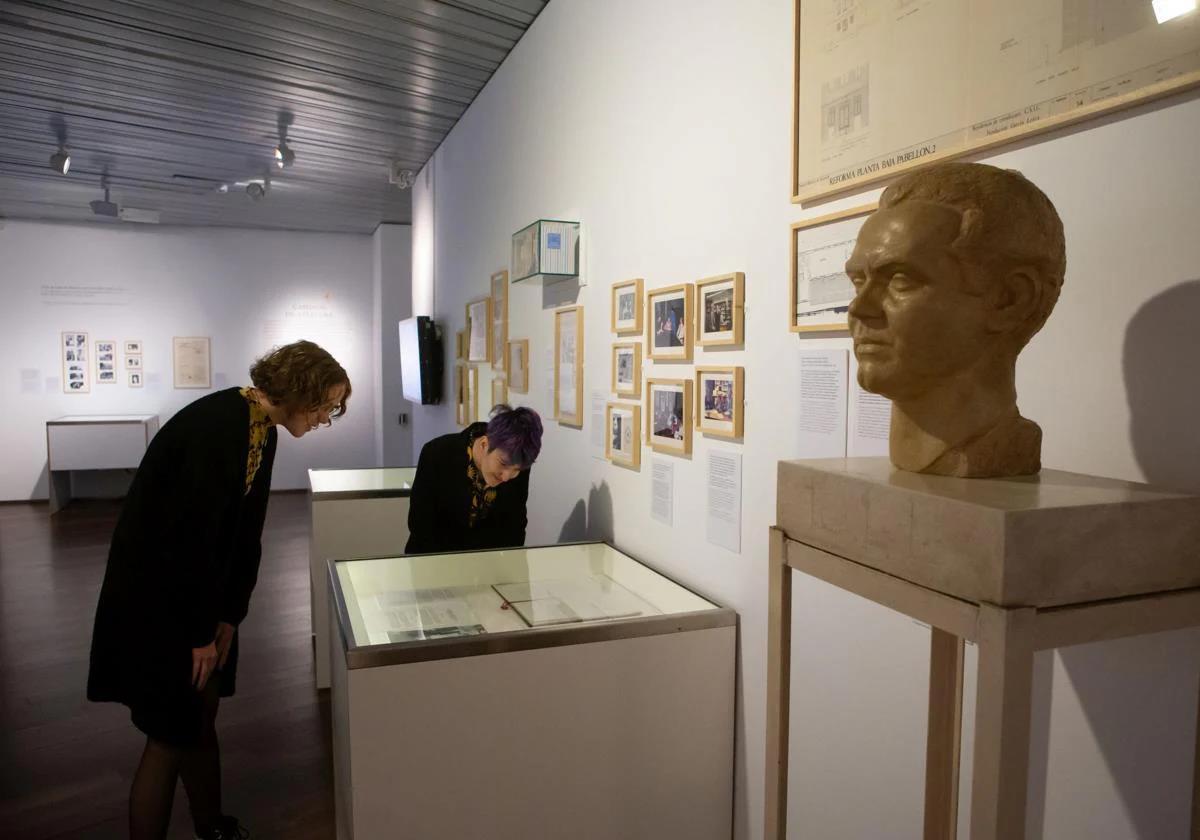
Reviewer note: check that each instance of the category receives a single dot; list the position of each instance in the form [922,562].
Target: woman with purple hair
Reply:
[471,486]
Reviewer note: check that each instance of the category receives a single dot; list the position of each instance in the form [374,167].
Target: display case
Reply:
[547,248]
[355,513]
[94,442]
[555,691]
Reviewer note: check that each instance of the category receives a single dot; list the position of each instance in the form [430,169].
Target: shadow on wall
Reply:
[1162,346]
[592,520]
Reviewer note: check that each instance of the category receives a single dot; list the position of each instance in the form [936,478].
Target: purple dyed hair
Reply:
[517,432]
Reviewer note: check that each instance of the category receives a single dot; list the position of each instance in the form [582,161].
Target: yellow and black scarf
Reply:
[482,496]
[260,425]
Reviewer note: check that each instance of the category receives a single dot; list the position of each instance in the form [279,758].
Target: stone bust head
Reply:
[958,268]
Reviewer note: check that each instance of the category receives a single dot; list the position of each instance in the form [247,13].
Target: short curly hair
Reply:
[299,376]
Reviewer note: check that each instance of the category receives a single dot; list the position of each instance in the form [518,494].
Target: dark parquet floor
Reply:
[66,764]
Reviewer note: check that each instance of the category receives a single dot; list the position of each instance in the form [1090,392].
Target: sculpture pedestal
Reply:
[1014,565]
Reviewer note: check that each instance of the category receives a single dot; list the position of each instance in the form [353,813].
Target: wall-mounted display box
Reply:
[355,513]
[554,691]
[548,248]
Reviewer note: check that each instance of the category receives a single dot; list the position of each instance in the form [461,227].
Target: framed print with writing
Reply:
[499,391]
[720,310]
[518,365]
[479,330]
[192,361]
[568,365]
[627,307]
[627,369]
[720,394]
[669,323]
[623,438]
[499,319]
[669,415]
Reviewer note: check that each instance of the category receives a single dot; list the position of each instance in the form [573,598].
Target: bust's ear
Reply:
[1013,299]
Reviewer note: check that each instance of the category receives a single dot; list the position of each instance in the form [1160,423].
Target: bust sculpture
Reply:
[954,273]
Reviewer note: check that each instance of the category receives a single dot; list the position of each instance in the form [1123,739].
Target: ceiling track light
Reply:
[60,161]
[284,156]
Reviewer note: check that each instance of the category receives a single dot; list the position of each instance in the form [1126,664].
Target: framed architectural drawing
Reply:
[499,391]
[568,365]
[819,293]
[627,307]
[873,95]
[479,330]
[76,363]
[106,362]
[669,323]
[720,310]
[623,439]
[499,319]
[720,395]
[518,366]
[627,369]
[192,361]
[669,415]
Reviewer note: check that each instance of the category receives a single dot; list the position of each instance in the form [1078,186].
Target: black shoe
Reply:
[227,828]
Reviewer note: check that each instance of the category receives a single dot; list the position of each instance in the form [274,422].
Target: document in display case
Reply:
[543,685]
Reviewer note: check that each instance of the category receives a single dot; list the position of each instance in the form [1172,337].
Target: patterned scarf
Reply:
[482,496]
[260,425]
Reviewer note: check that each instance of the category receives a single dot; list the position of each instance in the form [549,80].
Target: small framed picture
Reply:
[669,415]
[479,330]
[568,365]
[499,391]
[135,379]
[627,307]
[105,348]
[669,323]
[720,310]
[106,377]
[627,370]
[133,362]
[719,397]
[518,366]
[133,347]
[623,440]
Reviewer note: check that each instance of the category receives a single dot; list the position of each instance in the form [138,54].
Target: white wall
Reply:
[393,303]
[248,290]
[664,127]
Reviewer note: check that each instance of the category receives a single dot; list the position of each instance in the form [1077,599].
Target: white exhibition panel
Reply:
[97,442]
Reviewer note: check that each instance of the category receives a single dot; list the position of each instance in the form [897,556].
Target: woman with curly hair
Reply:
[181,567]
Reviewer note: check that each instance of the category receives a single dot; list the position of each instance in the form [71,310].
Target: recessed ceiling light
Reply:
[1165,10]
[60,161]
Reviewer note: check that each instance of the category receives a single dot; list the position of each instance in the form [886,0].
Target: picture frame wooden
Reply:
[623,442]
[720,401]
[75,350]
[191,361]
[568,366]
[518,365]
[628,300]
[499,391]
[479,330]
[838,242]
[460,395]
[668,411]
[499,331]
[105,353]
[460,345]
[669,312]
[627,369]
[721,310]
[471,377]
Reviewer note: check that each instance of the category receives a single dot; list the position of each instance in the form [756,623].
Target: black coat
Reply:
[184,555]
[441,501]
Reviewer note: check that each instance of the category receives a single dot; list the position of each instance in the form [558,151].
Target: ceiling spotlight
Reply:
[60,161]
[284,156]
[401,177]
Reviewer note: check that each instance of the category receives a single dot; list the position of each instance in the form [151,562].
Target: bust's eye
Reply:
[901,282]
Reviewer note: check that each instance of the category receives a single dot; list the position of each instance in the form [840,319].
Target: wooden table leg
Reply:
[944,737]
[779,662]
[1002,719]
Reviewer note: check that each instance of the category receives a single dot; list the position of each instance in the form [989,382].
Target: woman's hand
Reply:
[223,642]
[204,659]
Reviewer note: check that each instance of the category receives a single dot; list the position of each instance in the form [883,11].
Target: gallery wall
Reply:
[664,128]
[247,290]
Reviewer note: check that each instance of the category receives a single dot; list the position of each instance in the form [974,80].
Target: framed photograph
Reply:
[133,362]
[479,330]
[720,396]
[627,370]
[627,307]
[669,415]
[106,367]
[460,345]
[669,323]
[499,334]
[192,361]
[623,440]
[568,365]
[819,294]
[76,363]
[135,379]
[720,310]
[499,391]
[518,366]
[133,347]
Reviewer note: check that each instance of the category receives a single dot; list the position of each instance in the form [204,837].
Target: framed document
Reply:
[518,366]
[479,330]
[192,362]
[499,334]
[568,365]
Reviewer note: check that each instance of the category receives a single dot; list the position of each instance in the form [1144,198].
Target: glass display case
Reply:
[557,686]
[355,513]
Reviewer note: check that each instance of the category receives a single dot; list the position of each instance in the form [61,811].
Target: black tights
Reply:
[153,789]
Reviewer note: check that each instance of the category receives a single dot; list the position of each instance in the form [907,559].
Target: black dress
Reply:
[440,508]
[184,556]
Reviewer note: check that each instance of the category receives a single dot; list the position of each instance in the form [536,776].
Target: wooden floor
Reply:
[66,764]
